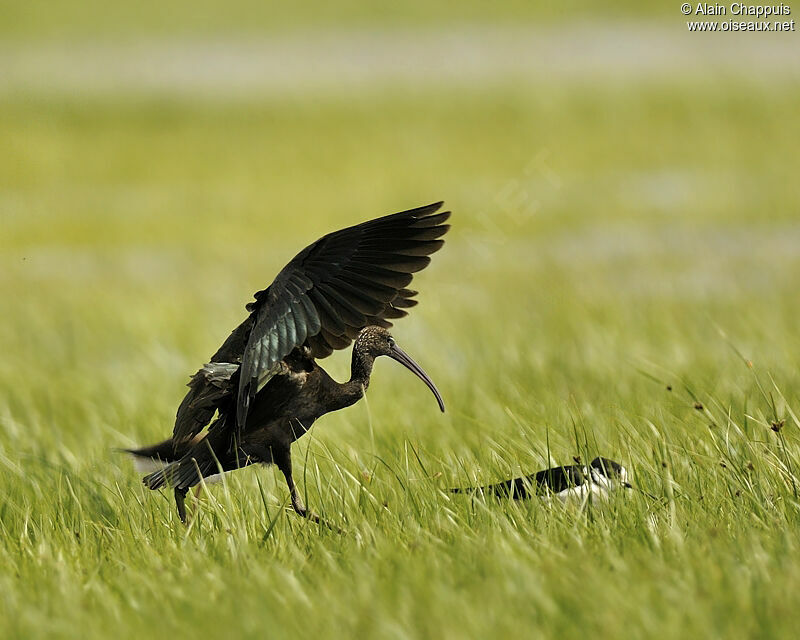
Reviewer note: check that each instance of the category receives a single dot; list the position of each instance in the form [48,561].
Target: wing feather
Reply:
[334,288]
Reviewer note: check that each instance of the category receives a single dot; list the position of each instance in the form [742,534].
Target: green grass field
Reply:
[620,279]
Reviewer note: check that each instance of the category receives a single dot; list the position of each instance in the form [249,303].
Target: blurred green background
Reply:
[96,19]
[625,202]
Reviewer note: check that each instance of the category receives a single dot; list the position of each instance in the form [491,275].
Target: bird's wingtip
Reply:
[427,209]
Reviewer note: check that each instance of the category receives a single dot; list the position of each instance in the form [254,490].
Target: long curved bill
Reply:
[403,358]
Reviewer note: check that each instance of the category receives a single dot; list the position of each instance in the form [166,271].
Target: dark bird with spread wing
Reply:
[263,388]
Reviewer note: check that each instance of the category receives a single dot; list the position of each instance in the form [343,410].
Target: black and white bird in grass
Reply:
[263,388]
[599,479]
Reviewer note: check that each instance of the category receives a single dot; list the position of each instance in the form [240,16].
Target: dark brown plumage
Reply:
[264,385]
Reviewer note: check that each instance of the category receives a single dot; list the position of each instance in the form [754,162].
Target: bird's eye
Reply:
[391,341]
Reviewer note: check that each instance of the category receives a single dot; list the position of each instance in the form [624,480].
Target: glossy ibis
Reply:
[263,388]
[600,478]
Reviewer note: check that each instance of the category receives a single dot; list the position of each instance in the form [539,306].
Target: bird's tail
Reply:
[212,454]
[163,451]
[183,473]
[516,488]
[156,455]
[187,470]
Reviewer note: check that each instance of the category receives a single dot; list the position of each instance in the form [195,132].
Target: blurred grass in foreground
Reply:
[607,243]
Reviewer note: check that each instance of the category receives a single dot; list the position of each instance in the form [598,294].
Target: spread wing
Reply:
[335,287]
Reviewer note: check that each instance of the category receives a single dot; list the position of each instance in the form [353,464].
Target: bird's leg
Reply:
[283,458]
[180,495]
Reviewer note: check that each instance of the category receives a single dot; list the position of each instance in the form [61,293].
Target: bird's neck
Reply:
[360,371]
[361,368]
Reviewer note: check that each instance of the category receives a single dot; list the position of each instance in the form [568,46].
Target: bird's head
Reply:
[612,474]
[608,472]
[376,341]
